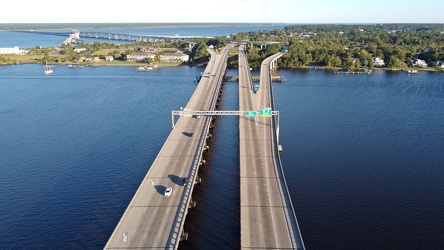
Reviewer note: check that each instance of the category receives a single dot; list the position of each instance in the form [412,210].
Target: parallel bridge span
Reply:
[152,220]
[268,220]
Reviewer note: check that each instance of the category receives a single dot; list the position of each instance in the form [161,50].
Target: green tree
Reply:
[394,62]
[357,63]
[199,52]
[370,64]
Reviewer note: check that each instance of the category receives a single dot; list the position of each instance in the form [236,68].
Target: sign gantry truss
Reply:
[263,113]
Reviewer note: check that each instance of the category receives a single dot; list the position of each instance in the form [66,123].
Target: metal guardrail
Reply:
[298,243]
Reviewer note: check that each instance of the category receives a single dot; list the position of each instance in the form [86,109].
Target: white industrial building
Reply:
[13,51]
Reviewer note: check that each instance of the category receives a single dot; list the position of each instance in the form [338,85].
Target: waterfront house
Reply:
[80,59]
[109,58]
[440,64]
[419,63]
[140,57]
[146,49]
[92,59]
[174,57]
[79,50]
[378,62]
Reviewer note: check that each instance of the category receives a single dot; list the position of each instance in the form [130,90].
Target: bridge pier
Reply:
[184,236]
[192,204]
[198,180]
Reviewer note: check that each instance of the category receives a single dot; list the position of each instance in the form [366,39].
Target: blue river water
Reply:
[362,154]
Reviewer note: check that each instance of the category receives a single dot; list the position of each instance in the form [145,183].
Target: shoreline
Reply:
[181,64]
[362,69]
[37,59]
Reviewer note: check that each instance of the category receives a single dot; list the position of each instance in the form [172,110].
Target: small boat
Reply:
[412,71]
[144,68]
[71,66]
[48,68]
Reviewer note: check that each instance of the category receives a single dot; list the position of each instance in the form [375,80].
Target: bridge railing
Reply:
[287,203]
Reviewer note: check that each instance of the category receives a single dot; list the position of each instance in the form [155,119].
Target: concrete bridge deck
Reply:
[268,220]
[153,220]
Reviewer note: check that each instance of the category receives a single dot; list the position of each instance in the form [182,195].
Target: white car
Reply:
[168,191]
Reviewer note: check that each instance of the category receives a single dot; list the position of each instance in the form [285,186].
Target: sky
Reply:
[226,11]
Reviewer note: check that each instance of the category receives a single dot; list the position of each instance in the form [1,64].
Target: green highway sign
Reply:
[250,113]
[266,112]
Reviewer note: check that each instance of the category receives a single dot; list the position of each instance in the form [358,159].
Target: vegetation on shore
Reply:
[351,46]
[327,46]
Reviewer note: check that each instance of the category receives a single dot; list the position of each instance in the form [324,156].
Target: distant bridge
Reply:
[78,36]
[138,37]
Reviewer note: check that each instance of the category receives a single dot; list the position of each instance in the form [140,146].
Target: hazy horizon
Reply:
[231,11]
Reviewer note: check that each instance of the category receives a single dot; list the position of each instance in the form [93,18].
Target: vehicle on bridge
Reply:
[168,191]
[256,87]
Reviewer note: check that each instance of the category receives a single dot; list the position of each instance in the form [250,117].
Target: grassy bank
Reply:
[38,59]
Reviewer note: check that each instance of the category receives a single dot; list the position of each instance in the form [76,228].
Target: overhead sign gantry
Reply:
[263,113]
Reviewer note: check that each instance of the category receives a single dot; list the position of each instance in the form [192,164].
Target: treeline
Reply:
[199,54]
[352,46]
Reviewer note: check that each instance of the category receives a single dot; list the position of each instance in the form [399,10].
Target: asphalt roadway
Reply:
[267,217]
[153,220]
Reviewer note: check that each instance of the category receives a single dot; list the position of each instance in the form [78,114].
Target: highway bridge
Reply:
[82,36]
[153,220]
[268,221]
[137,37]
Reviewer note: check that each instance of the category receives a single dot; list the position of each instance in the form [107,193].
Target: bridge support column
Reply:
[192,204]
[198,180]
[184,236]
